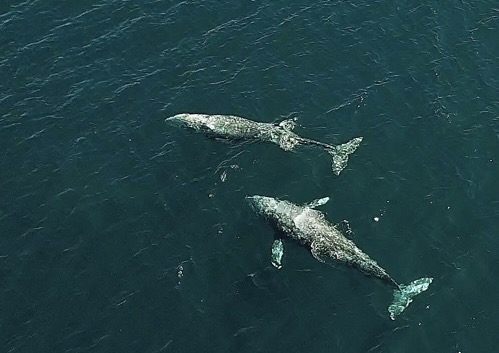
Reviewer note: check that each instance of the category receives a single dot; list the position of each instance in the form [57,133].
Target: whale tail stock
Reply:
[402,296]
[341,152]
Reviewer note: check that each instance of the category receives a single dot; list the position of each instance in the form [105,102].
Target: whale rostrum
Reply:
[234,127]
[309,227]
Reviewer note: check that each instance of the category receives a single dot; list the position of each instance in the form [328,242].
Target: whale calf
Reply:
[234,127]
[308,226]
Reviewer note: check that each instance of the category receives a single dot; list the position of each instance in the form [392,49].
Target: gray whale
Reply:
[309,227]
[234,127]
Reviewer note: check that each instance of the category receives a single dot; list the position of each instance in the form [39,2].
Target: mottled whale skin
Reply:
[235,127]
[309,227]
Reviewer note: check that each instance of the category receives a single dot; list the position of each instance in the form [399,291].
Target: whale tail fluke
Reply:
[341,152]
[402,296]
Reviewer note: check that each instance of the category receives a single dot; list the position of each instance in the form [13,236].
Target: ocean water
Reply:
[119,233]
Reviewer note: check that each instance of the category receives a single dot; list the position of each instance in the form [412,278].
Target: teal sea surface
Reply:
[120,233]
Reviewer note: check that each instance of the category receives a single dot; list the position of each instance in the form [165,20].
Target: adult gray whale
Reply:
[234,127]
[310,228]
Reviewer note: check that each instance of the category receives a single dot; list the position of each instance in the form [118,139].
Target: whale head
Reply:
[195,121]
[262,204]
[281,211]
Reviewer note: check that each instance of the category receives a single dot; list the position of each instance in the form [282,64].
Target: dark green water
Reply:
[101,203]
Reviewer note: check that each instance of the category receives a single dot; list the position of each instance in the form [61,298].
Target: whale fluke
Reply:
[402,296]
[341,152]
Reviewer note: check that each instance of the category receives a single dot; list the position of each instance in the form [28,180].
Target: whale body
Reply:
[309,227]
[235,127]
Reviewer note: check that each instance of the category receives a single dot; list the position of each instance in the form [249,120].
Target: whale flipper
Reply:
[318,202]
[402,296]
[277,252]
[340,154]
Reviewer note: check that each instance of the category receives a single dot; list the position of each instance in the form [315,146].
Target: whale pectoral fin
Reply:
[288,124]
[277,252]
[318,202]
